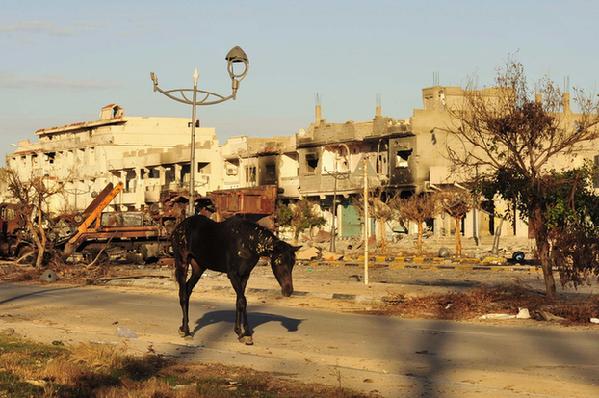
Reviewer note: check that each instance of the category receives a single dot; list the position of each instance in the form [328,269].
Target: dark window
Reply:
[270,171]
[401,158]
[596,174]
[311,162]
[51,156]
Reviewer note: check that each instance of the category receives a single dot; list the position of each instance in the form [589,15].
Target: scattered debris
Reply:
[444,252]
[331,256]
[322,236]
[594,320]
[123,331]
[523,313]
[498,317]
[307,254]
[501,299]
[548,316]
[48,276]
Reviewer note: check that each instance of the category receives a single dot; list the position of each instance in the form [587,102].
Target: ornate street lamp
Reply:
[236,55]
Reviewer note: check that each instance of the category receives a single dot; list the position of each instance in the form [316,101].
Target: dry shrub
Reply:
[491,299]
[63,371]
[98,356]
[152,388]
[19,364]
[15,273]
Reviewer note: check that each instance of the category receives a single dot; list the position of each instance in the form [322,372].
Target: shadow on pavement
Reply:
[35,293]
[254,319]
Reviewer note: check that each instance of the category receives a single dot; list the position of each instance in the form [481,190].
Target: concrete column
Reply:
[161,174]
[177,173]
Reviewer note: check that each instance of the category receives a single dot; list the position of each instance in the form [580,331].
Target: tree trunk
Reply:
[419,244]
[296,232]
[41,242]
[381,225]
[458,237]
[539,229]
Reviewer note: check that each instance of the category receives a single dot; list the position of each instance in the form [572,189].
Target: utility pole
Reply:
[366,220]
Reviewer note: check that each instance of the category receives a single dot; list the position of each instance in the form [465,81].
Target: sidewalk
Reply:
[330,281]
[266,285]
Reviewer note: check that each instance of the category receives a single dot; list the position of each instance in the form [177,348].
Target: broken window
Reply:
[153,173]
[311,162]
[271,174]
[51,156]
[250,174]
[203,167]
[401,158]
[185,175]
[169,174]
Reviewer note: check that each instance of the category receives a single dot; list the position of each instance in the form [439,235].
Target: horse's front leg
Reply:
[245,334]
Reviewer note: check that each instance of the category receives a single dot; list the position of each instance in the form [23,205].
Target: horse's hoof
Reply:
[247,340]
[183,333]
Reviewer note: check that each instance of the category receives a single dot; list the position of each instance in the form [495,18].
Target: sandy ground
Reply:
[392,356]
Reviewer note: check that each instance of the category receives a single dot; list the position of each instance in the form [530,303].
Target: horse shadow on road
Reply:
[255,319]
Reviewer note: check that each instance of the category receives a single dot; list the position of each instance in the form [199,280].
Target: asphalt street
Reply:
[393,356]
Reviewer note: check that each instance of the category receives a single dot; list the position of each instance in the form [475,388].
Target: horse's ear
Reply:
[295,248]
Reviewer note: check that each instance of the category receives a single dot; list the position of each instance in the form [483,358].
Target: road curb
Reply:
[432,264]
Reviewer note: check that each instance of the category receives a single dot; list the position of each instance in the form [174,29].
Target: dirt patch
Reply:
[575,309]
[29,369]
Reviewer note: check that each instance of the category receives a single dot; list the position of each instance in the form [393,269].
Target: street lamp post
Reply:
[235,55]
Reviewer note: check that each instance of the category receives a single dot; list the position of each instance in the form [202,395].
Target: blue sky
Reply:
[62,60]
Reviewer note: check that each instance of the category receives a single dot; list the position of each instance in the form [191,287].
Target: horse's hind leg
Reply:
[196,274]
[181,267]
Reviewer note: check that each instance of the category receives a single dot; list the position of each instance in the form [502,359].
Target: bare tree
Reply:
[33,195]
[417,208]
[457,203]
[299,216]
[511,135]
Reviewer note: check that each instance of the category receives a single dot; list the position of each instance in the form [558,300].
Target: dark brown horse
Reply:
[233,247]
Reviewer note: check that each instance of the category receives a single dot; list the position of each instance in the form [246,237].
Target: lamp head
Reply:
[236,55]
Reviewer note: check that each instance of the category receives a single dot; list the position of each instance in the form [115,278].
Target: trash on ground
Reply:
[548,316]
[497,316]
[123,331]
[523,313]
[48,276]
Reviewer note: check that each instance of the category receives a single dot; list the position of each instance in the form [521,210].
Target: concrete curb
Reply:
[431,263]
[167,284]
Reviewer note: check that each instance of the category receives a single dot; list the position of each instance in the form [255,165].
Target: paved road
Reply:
[393,356]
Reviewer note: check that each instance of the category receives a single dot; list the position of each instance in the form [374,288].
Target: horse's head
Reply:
[282,261]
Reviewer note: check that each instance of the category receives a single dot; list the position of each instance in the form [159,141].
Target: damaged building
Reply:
[401,157]
[85,156]
[332,157]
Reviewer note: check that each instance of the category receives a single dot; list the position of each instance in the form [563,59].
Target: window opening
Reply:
[311,162]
